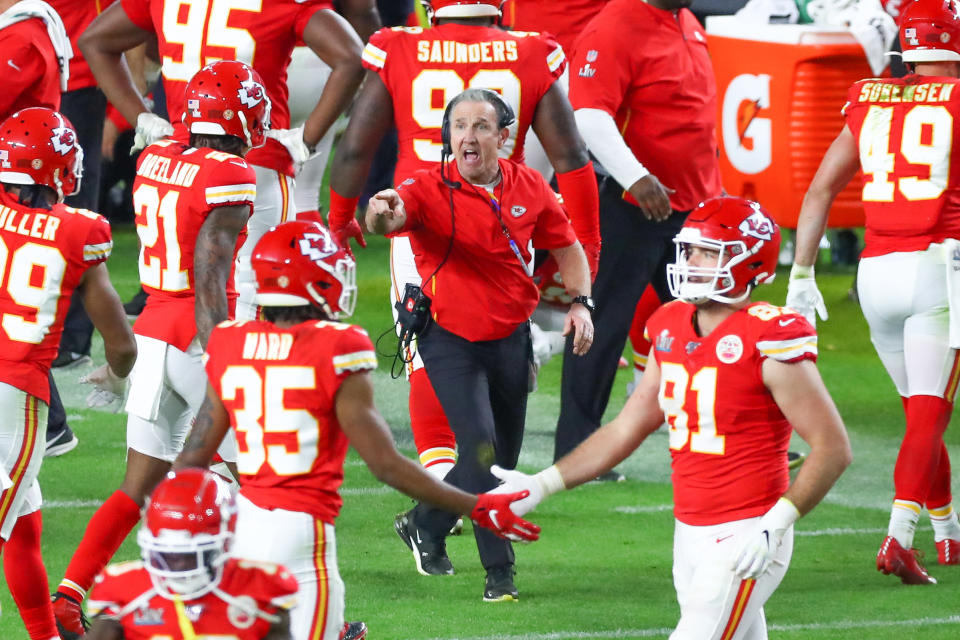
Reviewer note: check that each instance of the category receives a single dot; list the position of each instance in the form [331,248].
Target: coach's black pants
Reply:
[482,387]
[635,252]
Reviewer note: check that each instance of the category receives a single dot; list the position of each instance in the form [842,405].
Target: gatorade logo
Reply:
[747,137]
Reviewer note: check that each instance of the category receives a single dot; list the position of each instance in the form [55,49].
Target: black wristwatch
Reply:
[586,301]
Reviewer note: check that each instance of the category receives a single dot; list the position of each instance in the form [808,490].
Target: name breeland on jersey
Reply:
[158,168]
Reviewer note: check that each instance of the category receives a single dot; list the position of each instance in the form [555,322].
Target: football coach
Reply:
[473,224]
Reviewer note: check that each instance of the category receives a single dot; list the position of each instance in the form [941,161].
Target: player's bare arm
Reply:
[105,629]
[572,264]
[206,434]
[386,214]
[836,170]
[335,42]
[802,397]
[361,14]
[370,119]
[106,311]
[103,44]
[280,630]
[370,436]
[213,259]
[556,128]
[609,445]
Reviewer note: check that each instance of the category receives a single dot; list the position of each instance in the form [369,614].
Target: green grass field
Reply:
[602,568]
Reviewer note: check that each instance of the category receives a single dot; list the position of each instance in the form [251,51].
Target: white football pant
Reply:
[23,440]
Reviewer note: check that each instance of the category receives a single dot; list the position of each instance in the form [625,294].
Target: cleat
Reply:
[795,459]
[457,527]
[430,556]
[71,623]
[903,563]
[353,631]
[134,307]
[60,443]
[66,360]
[499,586]
[948,551]
[610,476]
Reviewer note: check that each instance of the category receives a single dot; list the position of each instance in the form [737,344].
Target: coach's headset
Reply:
[413,309]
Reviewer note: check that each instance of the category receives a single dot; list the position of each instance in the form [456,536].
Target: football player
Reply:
[297,389]
[733,379]
[263,35]
[186,586]
[47,251]
[901,133]
[412,75]
[191,202]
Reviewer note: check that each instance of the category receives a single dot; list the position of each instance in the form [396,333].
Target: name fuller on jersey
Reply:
[448,51]
[158,168]
[259,345]
[926,92]
[33,224]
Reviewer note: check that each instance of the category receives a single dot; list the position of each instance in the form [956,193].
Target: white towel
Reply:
[873,28]
[26,9]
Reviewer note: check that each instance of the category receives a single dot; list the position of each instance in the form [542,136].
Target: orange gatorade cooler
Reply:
[780,89]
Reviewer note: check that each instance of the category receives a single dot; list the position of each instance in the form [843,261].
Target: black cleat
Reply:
[60,443]
[70,359]
[353,631]
[500,587]
[135,305]
[430,556]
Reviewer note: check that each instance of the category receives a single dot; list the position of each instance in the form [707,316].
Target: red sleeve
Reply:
[269,584]
[599,72]
[112,589]
[139,13]
[555,59]
[783,334]
[412,192]
[374,55]
[99,242]
[553,229]
[582,200]
[23,66]
[230,182]
[351,353]
[307,9]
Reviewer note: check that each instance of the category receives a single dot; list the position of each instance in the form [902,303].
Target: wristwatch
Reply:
[586,301]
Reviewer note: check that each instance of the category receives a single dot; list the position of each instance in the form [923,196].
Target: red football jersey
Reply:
[176,187]
[908,133]
[43,255]
[564,20]
[242,607]
[32,75]
[261,33]
[423,69]
[279,387]
[728,438]
[77,16]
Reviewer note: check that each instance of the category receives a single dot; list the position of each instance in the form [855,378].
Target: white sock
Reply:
[945,523]
[903,522]
[439,470]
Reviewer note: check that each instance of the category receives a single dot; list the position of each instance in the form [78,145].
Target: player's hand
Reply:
[592,249]
[760,548]
[350,230]
[653,198]
[150,128]
[108,387]
[384,212]
[292,140]
[493,512]
[803,296]
[579,321]
[538,486]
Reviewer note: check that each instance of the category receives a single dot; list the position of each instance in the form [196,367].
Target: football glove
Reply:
[350,230]
[538,486]
[493,512]
[760,548]
[292,140]
[803,296]
[108,387]
[150,128]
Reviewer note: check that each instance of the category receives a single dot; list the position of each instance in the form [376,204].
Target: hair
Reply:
[35,196]
[294,315]
[504,112]
[225,143]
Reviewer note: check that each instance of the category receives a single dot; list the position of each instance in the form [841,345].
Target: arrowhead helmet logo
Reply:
[758,226]
[317,246]
[63,138]
[251,93]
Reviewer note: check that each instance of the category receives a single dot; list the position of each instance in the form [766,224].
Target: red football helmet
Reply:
[748,242]
[187,529]
[39,146]
[465,8]
[930,31]
[228,98]
[298,263]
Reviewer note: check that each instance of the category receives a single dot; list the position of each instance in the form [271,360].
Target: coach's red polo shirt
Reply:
[482,291]
[650,69]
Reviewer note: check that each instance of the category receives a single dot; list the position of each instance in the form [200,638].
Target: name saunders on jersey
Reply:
[450,51]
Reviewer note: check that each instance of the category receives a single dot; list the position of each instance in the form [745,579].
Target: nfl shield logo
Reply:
[592,55]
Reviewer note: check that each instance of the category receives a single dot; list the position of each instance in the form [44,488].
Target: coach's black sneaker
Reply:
[353,631]
[69,360]
[500,587]
[134,306]
[60,443]
[430,556]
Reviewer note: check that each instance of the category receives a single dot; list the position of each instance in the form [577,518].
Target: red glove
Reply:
[349,230]
[493,512]
[592,250]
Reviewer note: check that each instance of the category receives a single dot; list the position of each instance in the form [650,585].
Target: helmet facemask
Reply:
[696,284]
[181,565]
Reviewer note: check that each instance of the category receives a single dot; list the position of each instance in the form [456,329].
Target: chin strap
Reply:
[186,627]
